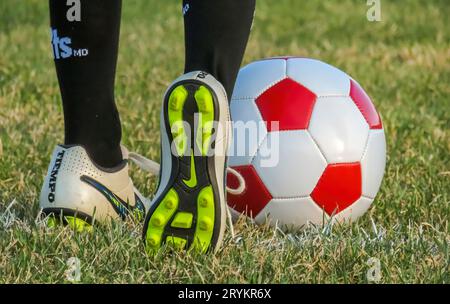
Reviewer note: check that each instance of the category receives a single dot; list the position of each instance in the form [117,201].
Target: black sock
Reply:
[216,34]
[85,38]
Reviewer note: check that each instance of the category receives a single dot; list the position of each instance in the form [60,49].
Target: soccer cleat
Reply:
[76,191]
[188,209]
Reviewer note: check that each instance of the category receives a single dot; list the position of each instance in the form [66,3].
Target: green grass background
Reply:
[404,64]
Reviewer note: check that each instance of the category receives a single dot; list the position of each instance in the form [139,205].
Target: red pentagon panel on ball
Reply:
[255,196]
[365,105]
[339,186]
[287,102]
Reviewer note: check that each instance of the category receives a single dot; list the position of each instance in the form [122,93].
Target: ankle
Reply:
[104,154]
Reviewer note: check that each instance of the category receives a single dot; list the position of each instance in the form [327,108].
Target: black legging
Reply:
[216,34]
[85,51]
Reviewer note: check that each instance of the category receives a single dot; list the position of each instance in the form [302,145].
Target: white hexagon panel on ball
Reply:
[257,77]
[319,77]
[296,167]
[339,129]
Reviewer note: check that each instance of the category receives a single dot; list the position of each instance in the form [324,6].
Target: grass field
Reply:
[402,61]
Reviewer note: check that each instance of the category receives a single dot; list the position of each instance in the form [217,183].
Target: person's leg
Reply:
[189,207]
[216,34]
[87,179]
[85,39]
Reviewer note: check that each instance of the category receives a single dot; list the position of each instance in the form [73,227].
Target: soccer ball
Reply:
[319,149]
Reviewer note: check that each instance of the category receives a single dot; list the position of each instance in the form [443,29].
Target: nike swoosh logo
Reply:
[120,206]
[192,181]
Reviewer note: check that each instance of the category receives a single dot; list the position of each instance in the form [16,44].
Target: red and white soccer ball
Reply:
[332,148]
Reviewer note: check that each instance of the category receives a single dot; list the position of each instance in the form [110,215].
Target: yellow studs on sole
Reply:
[177,98]
[153,240]
[170,203]
[175,112]
[203,202]
[182,220]
[204,100]
[205,222]
[159,219]
[176,242]
[205,104]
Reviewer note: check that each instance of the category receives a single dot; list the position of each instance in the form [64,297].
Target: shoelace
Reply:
[153,168]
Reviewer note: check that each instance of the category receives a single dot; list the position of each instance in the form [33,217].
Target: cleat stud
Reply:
[182,220]
[205,104]
[204,100]
[158,220]
[205,219]
[176,242]
[205,224]
[177,98]
[204,202]
[153,240]
[170,203]
[175,113]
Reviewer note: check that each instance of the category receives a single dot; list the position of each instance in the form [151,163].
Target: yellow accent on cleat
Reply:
[203,202]
[175,113]
[176,242]
[159,219]
[205,224]
[177,98]
[170,203]
[74,223]
[182,220]
[204,100]
[78,224]
[52,222]
[205,104]
[153,240]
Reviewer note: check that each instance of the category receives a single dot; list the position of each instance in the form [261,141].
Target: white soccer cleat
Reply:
[189,208]
[78,192]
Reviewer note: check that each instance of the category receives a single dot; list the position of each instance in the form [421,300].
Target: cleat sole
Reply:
[186,214]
